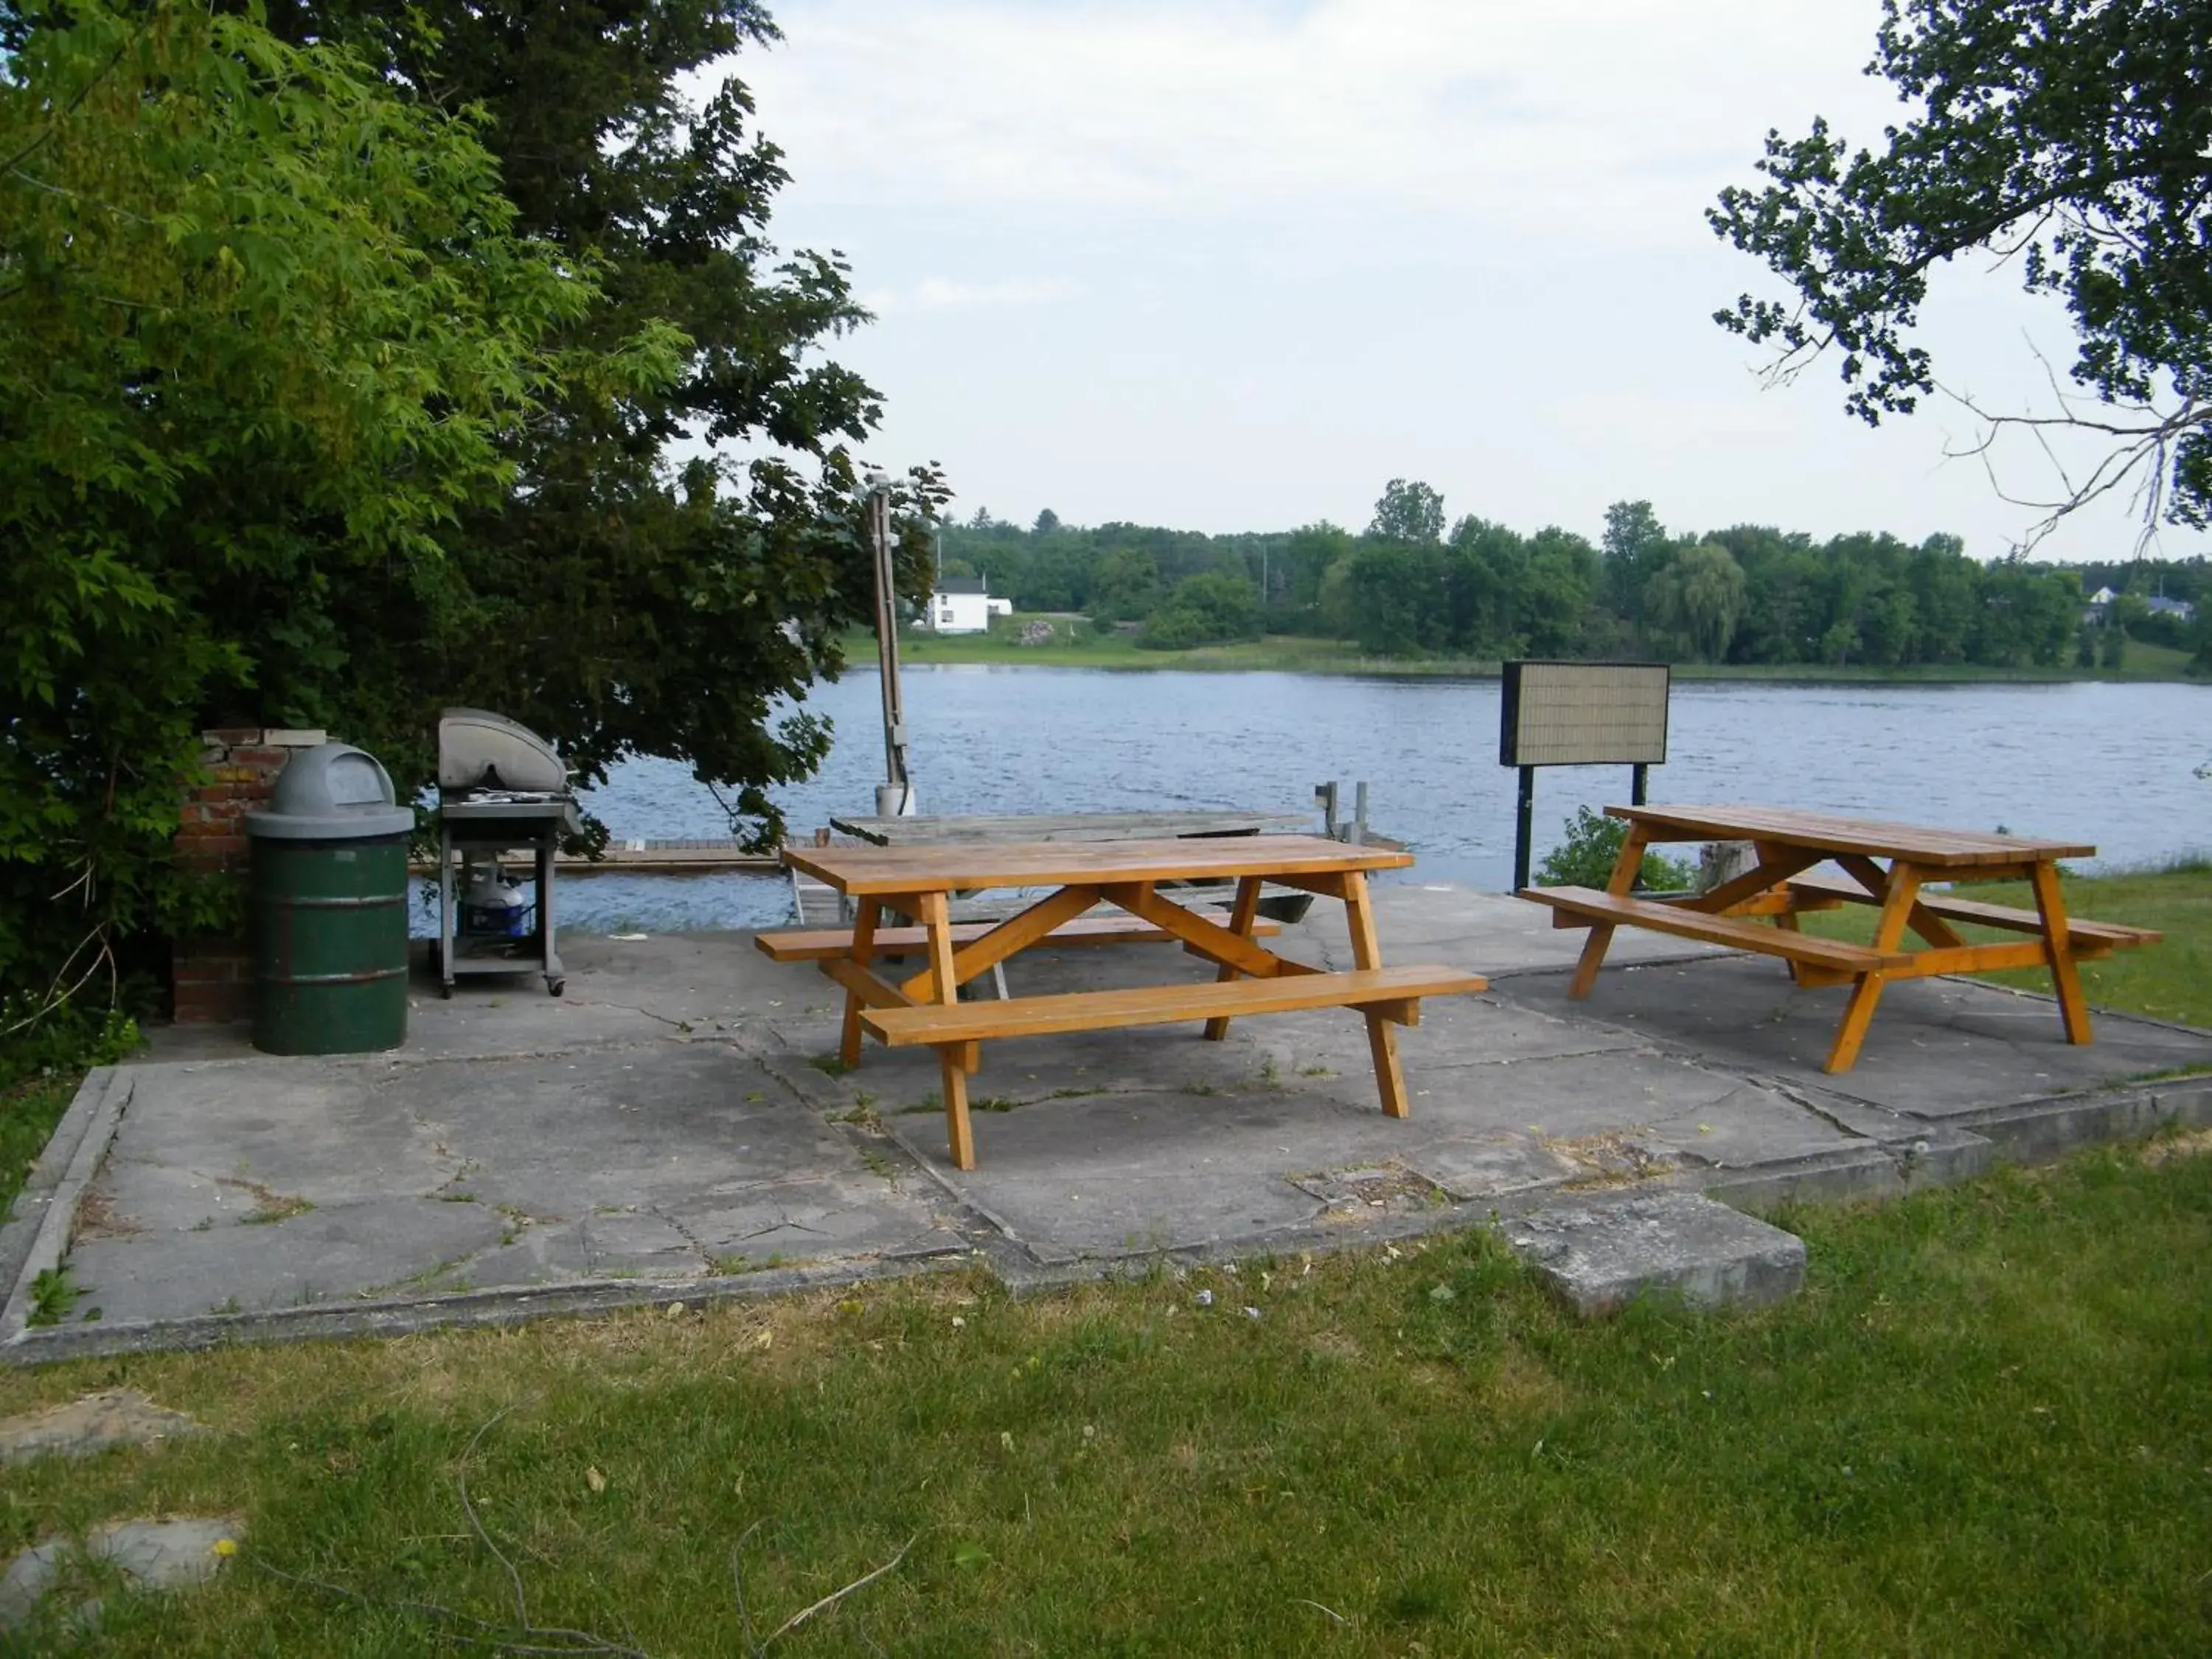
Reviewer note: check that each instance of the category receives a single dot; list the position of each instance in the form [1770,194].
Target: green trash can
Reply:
[329,908]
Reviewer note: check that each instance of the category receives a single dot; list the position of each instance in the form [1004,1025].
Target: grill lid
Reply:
[480,751]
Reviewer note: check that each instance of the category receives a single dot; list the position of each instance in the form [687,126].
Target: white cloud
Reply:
[942,293]
[1600,116]
[1228,264]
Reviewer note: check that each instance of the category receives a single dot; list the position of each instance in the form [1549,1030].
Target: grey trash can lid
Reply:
[335,793]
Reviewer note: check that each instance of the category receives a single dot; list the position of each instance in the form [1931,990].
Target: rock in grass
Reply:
[151,1555]
[114,1417]
[1597,1257]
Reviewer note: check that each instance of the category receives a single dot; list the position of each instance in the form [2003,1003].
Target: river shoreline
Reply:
[1293,654]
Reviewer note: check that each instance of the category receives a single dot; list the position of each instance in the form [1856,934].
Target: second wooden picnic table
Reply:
[1783,882]
[924,1008]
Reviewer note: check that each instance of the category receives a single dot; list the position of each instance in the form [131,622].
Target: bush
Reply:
[1204,610]
[1586,857]
[36,1043]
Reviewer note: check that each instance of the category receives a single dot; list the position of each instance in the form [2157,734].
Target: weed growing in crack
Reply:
[732,1266]
[54,1296]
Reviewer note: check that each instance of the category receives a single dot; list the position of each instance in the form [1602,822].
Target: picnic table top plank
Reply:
[885,870]
[928,831]
[1916,843]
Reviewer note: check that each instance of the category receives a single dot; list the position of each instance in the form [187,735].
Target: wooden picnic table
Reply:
[1886,864]
[924,1009]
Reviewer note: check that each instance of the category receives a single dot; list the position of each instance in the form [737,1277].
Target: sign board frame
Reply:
[1584,713]
[1588,714]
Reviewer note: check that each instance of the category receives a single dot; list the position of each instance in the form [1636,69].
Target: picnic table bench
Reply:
[923,1009]
[1783,882]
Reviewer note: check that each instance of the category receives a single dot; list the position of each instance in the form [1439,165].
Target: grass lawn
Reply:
[29,1112]
[2169,981]
[1985,1428]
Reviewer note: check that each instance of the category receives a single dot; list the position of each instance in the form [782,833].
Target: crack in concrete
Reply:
[683,1025]
[1797,1096]
[690,1238]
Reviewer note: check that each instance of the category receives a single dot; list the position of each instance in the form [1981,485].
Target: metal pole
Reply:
[1639,776]
[1525,827]
[895,799]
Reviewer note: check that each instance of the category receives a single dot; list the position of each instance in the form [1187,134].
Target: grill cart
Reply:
[501,789]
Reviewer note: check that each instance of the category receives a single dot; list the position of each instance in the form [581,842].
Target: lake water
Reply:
[2110,765]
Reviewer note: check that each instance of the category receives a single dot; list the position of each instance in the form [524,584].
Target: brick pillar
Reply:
[214,976]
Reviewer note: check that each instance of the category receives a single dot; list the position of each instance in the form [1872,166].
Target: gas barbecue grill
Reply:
[501,789]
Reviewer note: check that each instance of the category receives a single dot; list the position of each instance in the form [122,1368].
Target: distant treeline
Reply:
[1748,594]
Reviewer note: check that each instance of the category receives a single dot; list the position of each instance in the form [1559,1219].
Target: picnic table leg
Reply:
[2065,978]
[954,1060]
[1786,921]
[1903,891]
[952,1073]
[1241,918]
[1382,1034]
[864,938]
[1618,885]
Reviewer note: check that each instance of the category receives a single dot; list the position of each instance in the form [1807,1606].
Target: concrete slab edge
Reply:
[1955,1148]
[2037,1131]
[19,1228]
[47,1344]
[65,1169]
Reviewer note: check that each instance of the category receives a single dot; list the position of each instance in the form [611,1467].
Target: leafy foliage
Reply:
[2074,135]
[1205,610]
[1409,511]
[1697,599]
[324,405]
[262,326]
[1592,846]
[624,596]
[1748,594]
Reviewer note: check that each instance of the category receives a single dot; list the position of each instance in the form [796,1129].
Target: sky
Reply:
[1234,264]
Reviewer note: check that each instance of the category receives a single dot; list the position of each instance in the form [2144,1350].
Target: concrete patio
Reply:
[675,1127]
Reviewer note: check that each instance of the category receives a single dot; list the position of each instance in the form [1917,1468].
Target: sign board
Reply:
[1584,713]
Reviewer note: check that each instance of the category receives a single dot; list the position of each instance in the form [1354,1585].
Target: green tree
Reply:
[2072,135]
[1697,599]
[1308,554]
[265,328]
[1208,608]
[1409,511]
[622,595]
[1635,549]
[1559,582]
[1395,597]
[1126,583]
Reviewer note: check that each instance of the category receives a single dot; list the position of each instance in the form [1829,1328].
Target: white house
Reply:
[963,605]
[2103,595]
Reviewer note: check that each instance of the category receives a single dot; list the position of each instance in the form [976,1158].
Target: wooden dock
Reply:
[653,858]
[1067,826]
[817,906]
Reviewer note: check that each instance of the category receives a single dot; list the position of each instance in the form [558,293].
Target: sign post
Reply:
[1579,714]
